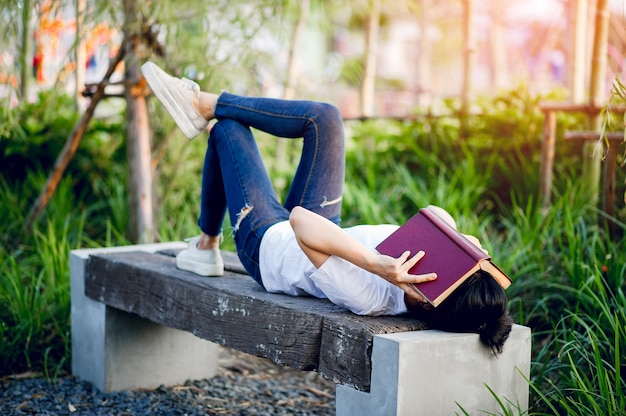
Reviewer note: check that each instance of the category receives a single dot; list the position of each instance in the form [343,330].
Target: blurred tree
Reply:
[368,86]
[498,49]
[425,52]
[301,14]
[597,77]
[16,38]
[592,152]
[80,53]
[577,62]
[138,136]
[469,57]
[298,12]
[369,16]
[25,47]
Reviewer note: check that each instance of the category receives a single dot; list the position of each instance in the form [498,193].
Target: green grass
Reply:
[568,271]
[34,290]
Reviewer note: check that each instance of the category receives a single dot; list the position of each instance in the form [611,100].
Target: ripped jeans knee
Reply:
[240,216]
[325,203]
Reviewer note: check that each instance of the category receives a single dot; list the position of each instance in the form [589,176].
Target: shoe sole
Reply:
[212,270]
[149,72]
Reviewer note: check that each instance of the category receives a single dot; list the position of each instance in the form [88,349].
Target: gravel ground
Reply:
[244,385]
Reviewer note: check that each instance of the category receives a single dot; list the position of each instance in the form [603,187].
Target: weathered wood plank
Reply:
[234,311]
[347,345]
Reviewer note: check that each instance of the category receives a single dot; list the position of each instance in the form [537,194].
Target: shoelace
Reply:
[188,84]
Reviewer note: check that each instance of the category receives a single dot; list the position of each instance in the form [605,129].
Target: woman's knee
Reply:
[329,122]
[229,129]
[226,125]
[328,113]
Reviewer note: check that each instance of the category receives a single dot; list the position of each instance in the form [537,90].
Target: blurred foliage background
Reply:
[482,165]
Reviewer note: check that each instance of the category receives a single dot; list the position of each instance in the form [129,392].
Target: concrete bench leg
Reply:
[438,373]
[116,350]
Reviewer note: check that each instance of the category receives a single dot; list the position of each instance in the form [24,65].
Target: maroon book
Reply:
[447,252]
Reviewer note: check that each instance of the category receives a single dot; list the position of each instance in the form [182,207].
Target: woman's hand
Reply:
[396,271]
[320,238]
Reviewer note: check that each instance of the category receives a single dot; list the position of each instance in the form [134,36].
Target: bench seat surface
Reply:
[234,311]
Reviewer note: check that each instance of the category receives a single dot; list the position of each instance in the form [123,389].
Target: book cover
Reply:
[448,253]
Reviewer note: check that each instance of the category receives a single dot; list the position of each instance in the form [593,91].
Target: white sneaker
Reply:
[202,262]
[176,96]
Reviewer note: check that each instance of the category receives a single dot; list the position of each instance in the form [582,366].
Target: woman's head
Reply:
[479,305]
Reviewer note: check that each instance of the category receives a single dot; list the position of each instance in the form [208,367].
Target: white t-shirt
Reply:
[286,269]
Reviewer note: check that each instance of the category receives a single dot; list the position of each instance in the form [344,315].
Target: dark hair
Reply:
[479,305]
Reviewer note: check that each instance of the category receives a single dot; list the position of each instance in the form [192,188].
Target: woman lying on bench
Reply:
[298,248]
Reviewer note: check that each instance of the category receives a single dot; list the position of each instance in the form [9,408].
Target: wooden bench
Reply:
[139,322]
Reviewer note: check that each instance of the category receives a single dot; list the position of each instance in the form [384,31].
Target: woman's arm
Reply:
[319,238]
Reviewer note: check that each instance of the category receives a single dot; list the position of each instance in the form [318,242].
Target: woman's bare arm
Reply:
[319,238]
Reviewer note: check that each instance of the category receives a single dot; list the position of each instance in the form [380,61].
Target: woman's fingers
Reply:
[396,270]
[421,278]
[408,265]
[413,260]
[403,257]
[406,280]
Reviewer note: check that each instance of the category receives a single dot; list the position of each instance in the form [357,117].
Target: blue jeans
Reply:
[234,175]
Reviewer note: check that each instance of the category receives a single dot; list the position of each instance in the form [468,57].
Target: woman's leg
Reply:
[318,182]
[202,255]
[252,203]
[212,195]
[243,179]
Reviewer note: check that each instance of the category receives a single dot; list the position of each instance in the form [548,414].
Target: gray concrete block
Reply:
[439,373]
[116,350]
